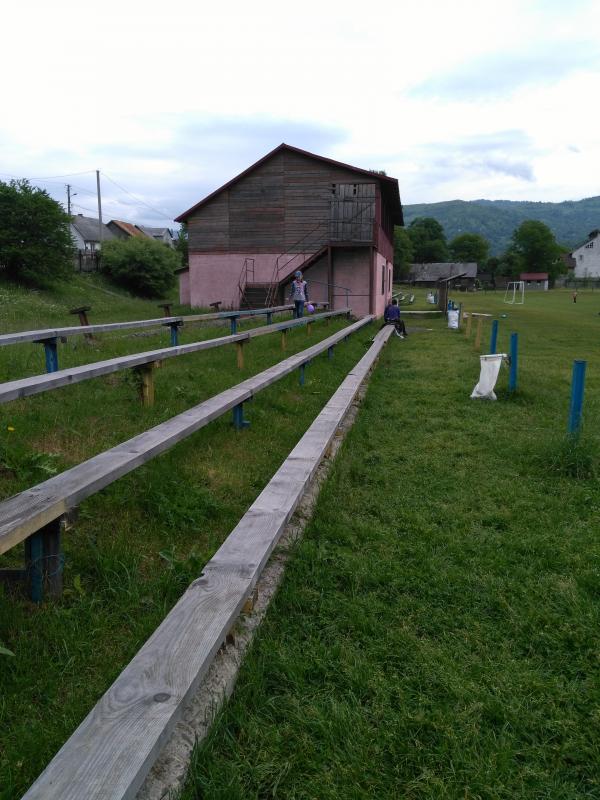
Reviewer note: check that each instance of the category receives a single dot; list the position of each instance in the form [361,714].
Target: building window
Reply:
[389,279]
[383,279]
[590,244]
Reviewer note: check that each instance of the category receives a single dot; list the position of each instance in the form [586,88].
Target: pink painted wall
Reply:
[351,269]
[216,276]
[382,280]
[184,288]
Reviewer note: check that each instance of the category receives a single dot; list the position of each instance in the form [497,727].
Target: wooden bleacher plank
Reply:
[79,330]
[110,753]
[25,513]
[36,384]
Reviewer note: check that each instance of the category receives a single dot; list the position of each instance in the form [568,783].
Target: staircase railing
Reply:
[248,271]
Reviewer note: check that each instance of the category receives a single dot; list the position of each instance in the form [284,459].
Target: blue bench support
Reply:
[42,574]
[577,387]
[330,353]
[175,326]
[269,317]
[494,336]
[51,353]
[514,362]
[238,417]
[233,322]
[301,374]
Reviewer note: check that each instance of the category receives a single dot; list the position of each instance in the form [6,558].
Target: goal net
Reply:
[515,292]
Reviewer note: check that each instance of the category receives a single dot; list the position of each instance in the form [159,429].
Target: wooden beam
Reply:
[240,354]
[113,749]
[25,513]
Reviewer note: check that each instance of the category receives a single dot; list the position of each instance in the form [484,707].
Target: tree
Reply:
[141,264]
[534,249]
[428,240]
[181,244]
[35,241]
[403,253]
[469,247]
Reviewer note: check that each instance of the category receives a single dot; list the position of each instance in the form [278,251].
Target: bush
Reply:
[142,265]
[35,241]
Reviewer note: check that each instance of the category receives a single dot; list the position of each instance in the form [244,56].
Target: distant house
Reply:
[86,233]
[164,235]
[294,210]
[428,275]
[124,230]
[535,280]
[587,257]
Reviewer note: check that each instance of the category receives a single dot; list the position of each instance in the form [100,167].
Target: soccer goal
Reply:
[515,293]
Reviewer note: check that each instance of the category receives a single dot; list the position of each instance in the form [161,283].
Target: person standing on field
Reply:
[299,294]
[575,296]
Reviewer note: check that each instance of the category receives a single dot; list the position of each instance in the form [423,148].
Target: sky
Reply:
[463,100]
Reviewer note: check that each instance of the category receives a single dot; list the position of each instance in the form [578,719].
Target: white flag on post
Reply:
[490,368]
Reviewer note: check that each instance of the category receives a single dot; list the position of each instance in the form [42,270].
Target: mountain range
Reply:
[495,220]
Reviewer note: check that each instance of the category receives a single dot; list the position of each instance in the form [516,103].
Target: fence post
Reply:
[494,336]
[284,339]
[469,321]
[478,334]
[514,362]
[577,387]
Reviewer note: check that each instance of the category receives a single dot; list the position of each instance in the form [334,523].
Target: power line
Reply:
[162,213]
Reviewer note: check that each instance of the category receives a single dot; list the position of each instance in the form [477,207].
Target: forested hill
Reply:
[570,221]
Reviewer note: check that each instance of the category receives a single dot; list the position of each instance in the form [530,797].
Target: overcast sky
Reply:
[463,99]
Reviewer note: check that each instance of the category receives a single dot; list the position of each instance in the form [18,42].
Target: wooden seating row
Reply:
[35,384]
[63,333]
[112,750]
[35,514]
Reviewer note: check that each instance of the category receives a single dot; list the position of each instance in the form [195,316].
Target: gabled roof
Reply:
[87,228]
[440,269]
[591,236]
[389,186]
[155,231]
[128,227]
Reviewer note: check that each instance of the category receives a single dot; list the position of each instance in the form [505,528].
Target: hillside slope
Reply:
[570,221]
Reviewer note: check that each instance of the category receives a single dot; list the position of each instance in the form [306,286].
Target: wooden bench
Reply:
[113,749]
[36,384]
[35,514]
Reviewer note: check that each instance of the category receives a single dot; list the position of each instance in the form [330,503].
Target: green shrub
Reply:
[141,265]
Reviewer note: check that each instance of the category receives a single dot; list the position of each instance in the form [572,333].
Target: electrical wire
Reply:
[162,213]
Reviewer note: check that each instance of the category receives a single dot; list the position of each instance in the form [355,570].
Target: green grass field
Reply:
[437,631]
[140,542]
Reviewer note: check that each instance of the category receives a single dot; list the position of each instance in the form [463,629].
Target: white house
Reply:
[587,257]
[86,234]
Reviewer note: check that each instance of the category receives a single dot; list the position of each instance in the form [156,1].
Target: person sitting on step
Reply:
[391,316]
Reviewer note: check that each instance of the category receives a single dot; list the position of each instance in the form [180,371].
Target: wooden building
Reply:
[294,210]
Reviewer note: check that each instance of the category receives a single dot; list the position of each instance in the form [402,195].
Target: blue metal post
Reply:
[51,353]
[34,555]
[577,387]
[330,352]
[174,334]
[514,362]
[238,417]
[494,336]
[269,317]
[233,322]
[301,374]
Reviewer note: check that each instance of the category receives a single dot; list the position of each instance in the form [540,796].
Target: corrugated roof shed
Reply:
[437,270]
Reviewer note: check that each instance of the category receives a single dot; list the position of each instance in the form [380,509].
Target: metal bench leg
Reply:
[233,323]
[44,562]
[174,334]
[330,352]
[51,353]
[269,318]
[238,417]
[301,374]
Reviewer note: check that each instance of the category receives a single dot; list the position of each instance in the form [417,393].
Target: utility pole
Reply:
[69,195]
[99,206]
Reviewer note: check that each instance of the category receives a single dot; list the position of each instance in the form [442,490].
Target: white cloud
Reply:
[172,102]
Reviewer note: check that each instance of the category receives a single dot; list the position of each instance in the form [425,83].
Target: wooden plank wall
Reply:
[283,206]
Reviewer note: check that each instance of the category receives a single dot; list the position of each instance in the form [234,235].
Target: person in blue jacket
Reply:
[391,316]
